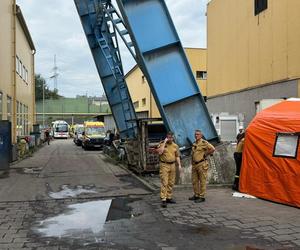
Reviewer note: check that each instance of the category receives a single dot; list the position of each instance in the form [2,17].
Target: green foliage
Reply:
[49,94]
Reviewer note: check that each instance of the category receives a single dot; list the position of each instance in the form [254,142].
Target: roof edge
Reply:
[24,26]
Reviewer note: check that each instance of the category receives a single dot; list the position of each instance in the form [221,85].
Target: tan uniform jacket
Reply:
[240,146]
[199,149]
[171,152]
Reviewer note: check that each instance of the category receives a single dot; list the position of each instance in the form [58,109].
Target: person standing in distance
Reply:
[168,156]
[200,150]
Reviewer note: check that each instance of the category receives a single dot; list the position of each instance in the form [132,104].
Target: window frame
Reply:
[260,8]
[286,134]
[201,74]
[9,104]
[136,105]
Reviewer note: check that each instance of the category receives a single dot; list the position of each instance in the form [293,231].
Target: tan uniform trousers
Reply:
[167,173]
[199,177]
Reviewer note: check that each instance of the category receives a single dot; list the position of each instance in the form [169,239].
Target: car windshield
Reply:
[61,128]
[95,131]
[79,130]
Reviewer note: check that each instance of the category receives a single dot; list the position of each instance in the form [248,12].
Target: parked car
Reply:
[78,130]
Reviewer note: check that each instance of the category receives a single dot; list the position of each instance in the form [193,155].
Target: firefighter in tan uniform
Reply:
[168,156]
[200,150]
[238,158]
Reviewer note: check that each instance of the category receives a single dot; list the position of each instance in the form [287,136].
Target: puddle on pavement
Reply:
[29,170]
[246,248]
[88,217]
[4,174]
[67,192]
[203,230]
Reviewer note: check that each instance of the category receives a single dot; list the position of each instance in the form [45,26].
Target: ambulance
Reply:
[93,135]
[60,129]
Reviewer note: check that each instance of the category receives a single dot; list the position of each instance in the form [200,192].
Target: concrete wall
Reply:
[221,166]
[245,50]
[244,101]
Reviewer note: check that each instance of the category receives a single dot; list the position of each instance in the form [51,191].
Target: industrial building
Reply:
[72,110]
[253,54]
[139,89]
[17,88]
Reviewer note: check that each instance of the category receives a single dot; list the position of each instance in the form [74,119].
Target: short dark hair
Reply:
[170,133]
[198,130]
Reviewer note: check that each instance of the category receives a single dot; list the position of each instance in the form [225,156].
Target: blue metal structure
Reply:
[97,20]
[5,144]
[164,63]
[155,44]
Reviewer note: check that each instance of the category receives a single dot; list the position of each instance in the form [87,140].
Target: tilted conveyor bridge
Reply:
[146,28]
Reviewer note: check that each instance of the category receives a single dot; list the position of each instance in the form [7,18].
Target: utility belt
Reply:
[197,162]
[166,162]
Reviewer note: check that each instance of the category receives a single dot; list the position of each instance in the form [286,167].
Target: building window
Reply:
[9,108]
[1,105]
[17,65]
[143,79]
[286,145]
[26,121]
[136,104]
[26,75]
[23,73]
[21,70]
[260,5]
[18,120]
[144,101]
[202,75]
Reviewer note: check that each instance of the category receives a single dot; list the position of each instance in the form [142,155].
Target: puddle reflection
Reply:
[87,217]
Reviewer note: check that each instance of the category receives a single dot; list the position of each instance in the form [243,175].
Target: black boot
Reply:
[171,201]
[164,204]
[194,198]
[200,200]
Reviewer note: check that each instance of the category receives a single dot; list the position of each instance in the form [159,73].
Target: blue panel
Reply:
[106,56]
[169,71]
[151,32]
[164,63]
[187,115]
[5,144]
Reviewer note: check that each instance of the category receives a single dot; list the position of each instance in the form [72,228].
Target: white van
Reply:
[60,129]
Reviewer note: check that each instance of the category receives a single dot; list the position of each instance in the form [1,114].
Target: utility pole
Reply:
[55,74]
[44,82]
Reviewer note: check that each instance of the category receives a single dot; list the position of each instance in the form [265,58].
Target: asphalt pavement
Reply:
[66,198]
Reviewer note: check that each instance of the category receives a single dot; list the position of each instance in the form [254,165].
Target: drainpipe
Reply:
[14,74]
[33,113]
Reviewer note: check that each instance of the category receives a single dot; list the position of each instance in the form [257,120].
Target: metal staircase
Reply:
[100,26]
[146,28]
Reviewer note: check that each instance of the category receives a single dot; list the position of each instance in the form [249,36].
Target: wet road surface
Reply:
[67,198]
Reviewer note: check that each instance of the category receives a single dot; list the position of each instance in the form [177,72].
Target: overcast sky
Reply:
[56,29]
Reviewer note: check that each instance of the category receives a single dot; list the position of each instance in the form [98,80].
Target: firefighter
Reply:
[168,156]
[238,160]
[200,150]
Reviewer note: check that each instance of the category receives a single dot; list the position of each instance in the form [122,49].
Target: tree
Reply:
[49,94]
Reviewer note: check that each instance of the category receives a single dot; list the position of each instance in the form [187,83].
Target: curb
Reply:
[153,187]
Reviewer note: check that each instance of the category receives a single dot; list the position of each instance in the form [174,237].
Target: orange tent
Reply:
[271,155]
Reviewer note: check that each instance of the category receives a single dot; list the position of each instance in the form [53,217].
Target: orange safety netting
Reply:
[263,175]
